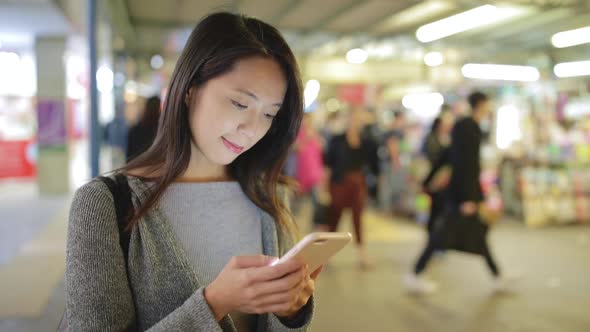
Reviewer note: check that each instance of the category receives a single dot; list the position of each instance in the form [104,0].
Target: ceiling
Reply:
[331,27]
[326,28]
[16,30]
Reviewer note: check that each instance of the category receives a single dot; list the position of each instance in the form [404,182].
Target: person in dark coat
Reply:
[142,135]
[462,229]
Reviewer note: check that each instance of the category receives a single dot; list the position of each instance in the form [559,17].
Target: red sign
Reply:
[17,159]
[353,94]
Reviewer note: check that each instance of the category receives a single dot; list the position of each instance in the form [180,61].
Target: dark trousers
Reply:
[438,203]
[351,193]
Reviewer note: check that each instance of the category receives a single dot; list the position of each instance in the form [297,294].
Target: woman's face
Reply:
[232,112]
[446,123]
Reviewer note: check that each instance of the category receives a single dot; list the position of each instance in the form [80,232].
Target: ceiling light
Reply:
[500,72]
[464,21]
[433,59]
[423,100]
[357,56]
[571,37]
[571,69]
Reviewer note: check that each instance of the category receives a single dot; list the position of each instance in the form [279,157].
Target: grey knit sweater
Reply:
[159,289]
[214,221]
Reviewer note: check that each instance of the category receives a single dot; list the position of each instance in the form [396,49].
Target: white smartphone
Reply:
[316,249]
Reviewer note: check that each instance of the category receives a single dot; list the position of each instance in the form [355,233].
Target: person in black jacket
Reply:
[462,229]
[142,135]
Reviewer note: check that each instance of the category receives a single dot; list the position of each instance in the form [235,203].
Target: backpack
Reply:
[119,188]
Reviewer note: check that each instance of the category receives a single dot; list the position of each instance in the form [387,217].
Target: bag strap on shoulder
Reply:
[119,188]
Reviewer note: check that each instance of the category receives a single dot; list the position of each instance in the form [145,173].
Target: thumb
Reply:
[244,262]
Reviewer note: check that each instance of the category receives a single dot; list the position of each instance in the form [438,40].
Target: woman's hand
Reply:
[468,208]
[249,284]
[303,297]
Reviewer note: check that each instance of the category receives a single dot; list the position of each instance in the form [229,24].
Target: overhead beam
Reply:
[292,4]
[122,21]
[324,22]
[382,18]
[161,24]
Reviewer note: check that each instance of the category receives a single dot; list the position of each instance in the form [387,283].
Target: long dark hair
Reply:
[214,46]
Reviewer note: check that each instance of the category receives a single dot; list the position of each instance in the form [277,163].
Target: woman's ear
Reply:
[188,98]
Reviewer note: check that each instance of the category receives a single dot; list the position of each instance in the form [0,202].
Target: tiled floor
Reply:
[553,295]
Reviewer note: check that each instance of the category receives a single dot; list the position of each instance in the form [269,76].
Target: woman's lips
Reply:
[231,146]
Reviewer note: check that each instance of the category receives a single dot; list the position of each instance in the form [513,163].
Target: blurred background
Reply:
[75,75]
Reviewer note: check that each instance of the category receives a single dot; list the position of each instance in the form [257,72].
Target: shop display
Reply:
[555,195]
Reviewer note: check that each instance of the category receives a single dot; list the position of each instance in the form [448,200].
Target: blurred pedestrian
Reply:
[310,169]
[393,171]
[347,154]
[463,229]
[435,147]
[142,135]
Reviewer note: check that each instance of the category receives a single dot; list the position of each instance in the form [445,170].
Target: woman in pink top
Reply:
[310,166]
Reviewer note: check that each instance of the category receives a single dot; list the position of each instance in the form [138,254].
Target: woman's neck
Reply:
[199,167]
[353,137]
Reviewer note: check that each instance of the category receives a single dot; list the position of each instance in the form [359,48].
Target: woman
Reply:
[436,150]
[310,168]
[208,218]
[142,135]
[346,157]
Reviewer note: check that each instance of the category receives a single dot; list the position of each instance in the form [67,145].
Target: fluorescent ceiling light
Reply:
[417,101]
[468,20]
[312,89]
[433,59]
[571,69]
[500,72]
[571,37]
[357,55]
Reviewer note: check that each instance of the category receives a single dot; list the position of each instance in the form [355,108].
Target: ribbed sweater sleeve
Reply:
[98,295]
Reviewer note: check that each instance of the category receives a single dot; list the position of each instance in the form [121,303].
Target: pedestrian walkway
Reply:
[32,255]
[554,294]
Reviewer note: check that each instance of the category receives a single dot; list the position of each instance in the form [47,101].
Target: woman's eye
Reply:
[270,116]
[238,105]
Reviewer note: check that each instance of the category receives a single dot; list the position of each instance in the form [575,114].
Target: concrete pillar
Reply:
[52,165]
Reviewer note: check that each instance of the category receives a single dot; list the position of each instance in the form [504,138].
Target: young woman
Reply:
[347,156]
[436,149]
[208,218]
[309,147]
